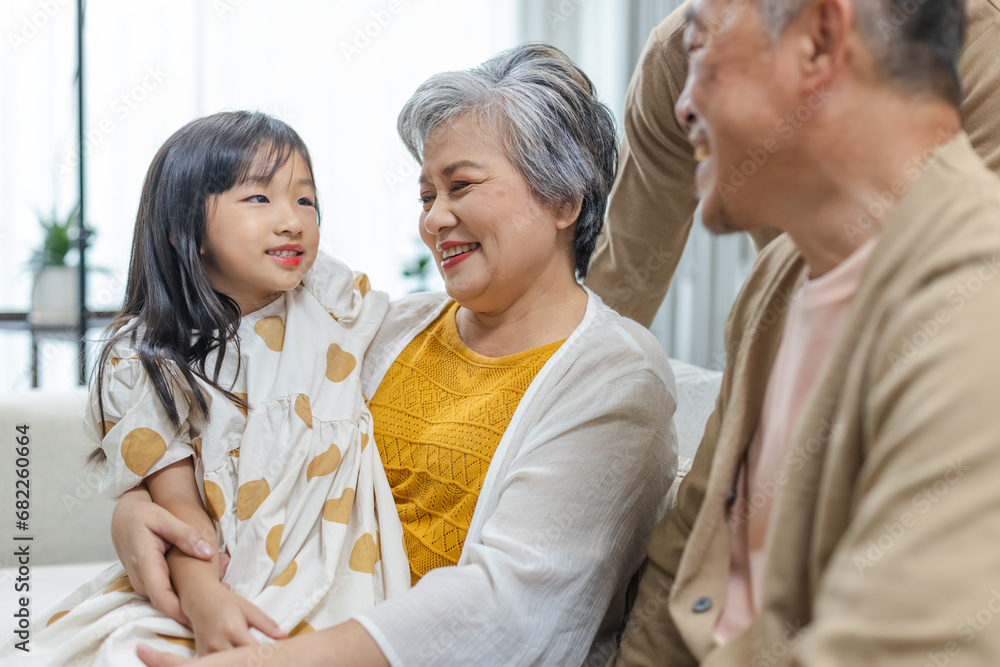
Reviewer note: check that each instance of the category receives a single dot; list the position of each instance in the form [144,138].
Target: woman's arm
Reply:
[220,618]
[563,530]
[142,532]
[344,645]
[567,530]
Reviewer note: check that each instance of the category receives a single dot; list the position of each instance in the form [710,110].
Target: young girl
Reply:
[227,388]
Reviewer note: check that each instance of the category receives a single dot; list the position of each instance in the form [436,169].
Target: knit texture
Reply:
[439,414]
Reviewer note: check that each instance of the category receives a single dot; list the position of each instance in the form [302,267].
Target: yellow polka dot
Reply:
[215,500]
[120,585]
[272,332]
[249,497]
[56,617]
[362,284]
[364,441]
[324,464]
[239,407]
[141,448]
[186,642]
[114,361]
[235,453]
[364,555]
[106,427]
[273,542]
[338,510]
[286,576]
[339,363]
[196,444]
[303,409]
[302,628]
[335,319]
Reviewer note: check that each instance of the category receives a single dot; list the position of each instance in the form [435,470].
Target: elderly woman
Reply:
[525,428]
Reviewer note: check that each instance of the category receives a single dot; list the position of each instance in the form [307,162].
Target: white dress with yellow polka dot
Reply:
[295,485]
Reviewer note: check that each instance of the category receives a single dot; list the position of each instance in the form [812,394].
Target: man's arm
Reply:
[650,636]
[981,79]
[654,198]
[914,579]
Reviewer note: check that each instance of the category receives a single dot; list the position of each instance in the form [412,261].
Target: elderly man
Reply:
[653,200]
[843,507]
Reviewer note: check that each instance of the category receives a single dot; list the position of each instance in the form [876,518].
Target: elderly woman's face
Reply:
[492,240]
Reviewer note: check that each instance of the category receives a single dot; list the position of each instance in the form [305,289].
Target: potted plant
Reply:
[55,295]
[419,270]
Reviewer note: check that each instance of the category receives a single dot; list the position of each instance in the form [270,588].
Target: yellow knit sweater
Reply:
[439,415]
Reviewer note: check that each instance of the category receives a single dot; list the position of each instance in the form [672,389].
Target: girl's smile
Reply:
[289,254]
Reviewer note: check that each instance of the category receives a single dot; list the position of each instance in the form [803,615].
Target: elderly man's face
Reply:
[739,89]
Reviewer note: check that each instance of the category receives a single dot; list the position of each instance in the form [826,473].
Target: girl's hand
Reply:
[142,532]
[221,620]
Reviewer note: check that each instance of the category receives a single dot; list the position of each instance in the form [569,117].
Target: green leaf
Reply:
[57,239]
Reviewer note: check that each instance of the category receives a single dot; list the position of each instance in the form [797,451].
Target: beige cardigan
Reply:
[653,200]
[885,535]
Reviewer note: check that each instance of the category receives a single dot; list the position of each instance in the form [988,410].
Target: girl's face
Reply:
[262,237]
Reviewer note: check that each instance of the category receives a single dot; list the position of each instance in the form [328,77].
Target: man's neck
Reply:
[865,167]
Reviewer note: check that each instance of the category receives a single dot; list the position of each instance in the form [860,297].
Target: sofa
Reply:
[68,521]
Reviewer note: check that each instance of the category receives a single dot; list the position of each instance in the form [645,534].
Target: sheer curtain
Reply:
[337,71]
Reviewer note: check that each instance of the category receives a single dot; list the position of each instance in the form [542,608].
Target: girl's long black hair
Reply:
[176,318]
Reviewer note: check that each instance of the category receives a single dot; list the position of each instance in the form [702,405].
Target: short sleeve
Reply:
[135,433]
[345,294]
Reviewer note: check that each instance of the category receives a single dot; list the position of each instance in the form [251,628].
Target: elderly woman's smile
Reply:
[454,249]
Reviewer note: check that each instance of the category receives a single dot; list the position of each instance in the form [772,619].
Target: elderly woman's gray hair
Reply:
[547,117]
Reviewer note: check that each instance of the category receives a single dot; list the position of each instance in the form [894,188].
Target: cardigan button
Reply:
[701,605]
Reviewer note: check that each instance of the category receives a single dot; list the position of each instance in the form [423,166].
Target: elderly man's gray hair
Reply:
[554,131]
[916,43]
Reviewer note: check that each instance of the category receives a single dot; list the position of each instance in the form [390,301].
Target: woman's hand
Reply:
[142,532]
[221,620]
[342,645]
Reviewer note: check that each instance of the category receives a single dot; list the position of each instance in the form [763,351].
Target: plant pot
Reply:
[55,297]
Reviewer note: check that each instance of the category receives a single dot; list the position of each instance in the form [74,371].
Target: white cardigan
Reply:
[566,508]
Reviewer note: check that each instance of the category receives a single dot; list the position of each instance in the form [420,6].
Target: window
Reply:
[338,72]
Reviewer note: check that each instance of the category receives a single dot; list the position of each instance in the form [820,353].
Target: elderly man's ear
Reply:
[826,41]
